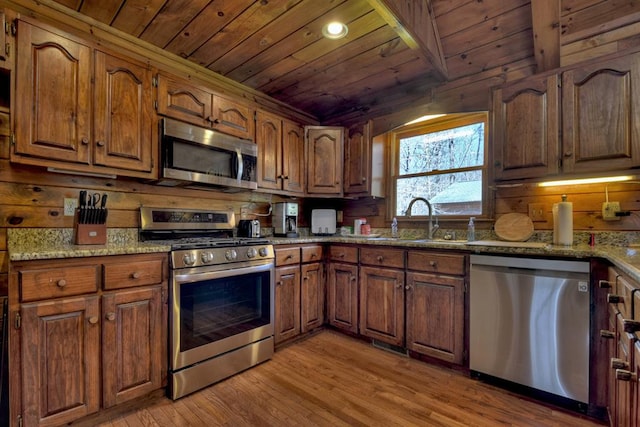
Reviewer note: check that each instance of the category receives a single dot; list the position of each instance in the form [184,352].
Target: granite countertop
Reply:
[32,244]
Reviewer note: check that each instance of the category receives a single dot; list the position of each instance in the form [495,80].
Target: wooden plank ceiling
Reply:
[395,54]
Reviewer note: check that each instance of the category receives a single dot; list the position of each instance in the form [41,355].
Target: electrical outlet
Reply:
[244,212]
[70,206]
[536,212]
[609,210]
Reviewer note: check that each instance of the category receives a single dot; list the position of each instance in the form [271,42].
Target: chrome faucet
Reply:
[432,227]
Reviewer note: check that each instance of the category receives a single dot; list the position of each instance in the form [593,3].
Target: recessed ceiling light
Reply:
[335,30]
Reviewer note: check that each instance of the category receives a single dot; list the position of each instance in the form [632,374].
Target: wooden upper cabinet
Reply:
[357,163]
[191,103]
[53,109]
[293,158]
[324,147]
[54,124]
[601,124]
[269,141]
[526,129]
[123,110]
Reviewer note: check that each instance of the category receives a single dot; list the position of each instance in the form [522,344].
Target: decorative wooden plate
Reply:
[514,227]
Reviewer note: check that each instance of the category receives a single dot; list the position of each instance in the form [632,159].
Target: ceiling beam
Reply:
[415,23]
[545,17]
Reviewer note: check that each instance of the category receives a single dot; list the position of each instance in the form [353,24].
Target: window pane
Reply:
[454,148]
[449,194]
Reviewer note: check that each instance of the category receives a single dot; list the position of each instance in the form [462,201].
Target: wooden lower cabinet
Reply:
[81,348]
[342,296]
[382,304]
[300,292]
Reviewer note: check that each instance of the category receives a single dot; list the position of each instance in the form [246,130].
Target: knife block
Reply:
[91,234]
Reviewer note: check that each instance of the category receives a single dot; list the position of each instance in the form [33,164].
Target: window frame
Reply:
[435,125]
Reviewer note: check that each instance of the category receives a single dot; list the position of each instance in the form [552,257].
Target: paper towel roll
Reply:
[563,223]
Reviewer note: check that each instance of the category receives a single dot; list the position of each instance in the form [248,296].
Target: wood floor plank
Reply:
[330,379]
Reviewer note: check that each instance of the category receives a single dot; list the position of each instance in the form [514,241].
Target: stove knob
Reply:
[251,253]
[263,252]
[189,259]
[231,255]
[207,257]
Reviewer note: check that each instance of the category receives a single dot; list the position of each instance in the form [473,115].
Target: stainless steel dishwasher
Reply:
[529,323]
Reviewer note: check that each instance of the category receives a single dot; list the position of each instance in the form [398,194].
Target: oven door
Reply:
[216,311]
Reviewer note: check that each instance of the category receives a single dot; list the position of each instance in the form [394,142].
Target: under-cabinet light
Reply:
[587,181]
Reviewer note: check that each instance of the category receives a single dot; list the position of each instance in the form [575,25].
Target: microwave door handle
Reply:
[240,165]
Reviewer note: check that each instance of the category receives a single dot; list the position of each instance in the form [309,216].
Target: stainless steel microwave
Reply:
[195,155]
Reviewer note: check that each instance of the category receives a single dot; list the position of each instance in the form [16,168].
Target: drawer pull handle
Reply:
[61,283]
[313,255]
[607,334]
[631,326]
[433,263]
[380,258]
[135,275]
[93,320]
[111,316]
[604,284]
[624,375]
[288,257]
[619,363]
[340,255]
[614,299]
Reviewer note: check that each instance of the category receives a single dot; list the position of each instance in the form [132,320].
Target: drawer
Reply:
[392,258]
[128,274]
[287,256]
[343,253]
[311,253]
[49,283]
[434,262]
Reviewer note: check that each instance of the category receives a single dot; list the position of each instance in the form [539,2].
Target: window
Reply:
[443,161]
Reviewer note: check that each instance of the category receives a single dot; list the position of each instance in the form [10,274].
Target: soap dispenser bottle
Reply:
[471,230]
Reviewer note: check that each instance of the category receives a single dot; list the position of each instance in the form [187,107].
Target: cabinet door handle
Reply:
[399,285]
[364,179]
[604,284]
[135,275]
[614,299]
[101,143]
[624,375]
[408,287]
[607,334]
[84,141]
[305,278]
[619,363]
[568,153]
[61,283]
[93,320]
[111,316]
[353,278]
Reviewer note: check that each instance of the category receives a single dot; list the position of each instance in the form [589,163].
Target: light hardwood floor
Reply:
[333,380]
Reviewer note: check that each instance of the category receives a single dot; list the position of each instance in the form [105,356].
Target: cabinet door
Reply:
[53,108]
[123,108]
[269,141]
[311,297]
[382,304]
[233,117]
[293,158]
[132,344]
[601,126]
[526,128]
[60,360]
[324,160]
[287,310]
[357,160]
[342,289]
[435,316]
[184,101]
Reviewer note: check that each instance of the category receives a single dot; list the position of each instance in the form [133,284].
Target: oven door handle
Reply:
[190,277]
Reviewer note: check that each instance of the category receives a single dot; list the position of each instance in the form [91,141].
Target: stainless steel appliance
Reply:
[529,323]
[285,219]
[249,228]
[195,155]
[221,297]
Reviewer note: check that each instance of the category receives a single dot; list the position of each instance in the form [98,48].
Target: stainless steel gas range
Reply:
[221,296]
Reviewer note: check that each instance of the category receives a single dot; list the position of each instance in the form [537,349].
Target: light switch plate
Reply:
[609,210]
[70,206]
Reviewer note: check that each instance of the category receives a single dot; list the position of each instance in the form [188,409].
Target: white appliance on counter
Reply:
[323,221]
[529,323]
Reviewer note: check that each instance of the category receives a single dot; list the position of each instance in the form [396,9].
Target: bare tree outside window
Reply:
[445,166]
